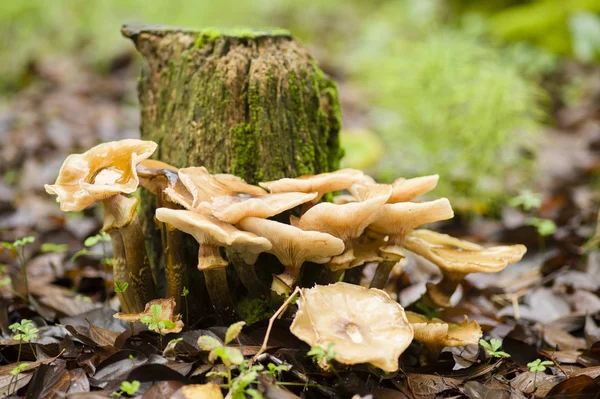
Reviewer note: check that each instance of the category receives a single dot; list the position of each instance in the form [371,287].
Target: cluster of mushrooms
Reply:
[233,223]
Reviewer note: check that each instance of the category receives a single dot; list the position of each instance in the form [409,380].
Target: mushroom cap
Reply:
[321,183]
[365,325]
[403,217]
[291,245]
[211,231]
[439,333]
[204,187]
[155,175]
[408,189]
[233,208]
[446,240]
[345,221]
[455,260]
[101,172]
[168,313]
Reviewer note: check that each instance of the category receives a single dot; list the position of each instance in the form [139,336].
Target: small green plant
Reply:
[54,248]
[322,356]
[275,370]
[229,356]
[492,348]
[155,321]
[544,227]
[129,388]
[538,365]
[121,286]
[527,200]
[25,331]
[19,369]
[13,247]
[89,242]
[427,311]
[184,293]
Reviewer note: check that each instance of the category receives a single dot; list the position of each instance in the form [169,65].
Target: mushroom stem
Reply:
[175,269]
[216,284]
[440,294]
[431,353]
[247,274]
[127,298]
[382,274]
[332,276]
[137,261]
[354,275]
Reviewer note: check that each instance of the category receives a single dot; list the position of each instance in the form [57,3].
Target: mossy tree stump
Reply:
[250,103]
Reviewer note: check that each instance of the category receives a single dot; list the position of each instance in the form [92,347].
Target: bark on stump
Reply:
[251,103]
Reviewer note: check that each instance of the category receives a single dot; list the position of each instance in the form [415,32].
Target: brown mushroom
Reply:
[233,208]
[322,183]
[396,221]
[457,258]
[365,325]
[107,173]
[436,334]
[293,247]
[211,234]
[345,222]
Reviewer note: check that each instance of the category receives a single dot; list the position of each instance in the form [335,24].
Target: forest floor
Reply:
[545,307]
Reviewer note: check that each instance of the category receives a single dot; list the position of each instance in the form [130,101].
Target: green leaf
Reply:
[156,311]
[5,281]
[254,394]
[527,199]
[234,355]
[146,319]
[496,344]
[233,331]
[168,324]
[483,343]
[208,343]
[93,240]
[8,245]
[185,292]
[78,254]
[56,248]
[121,286]
[19,369]
[130,388]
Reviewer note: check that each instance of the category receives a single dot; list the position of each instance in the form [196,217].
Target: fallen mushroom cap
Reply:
[293,246]
[233,208]
[452,258]
[105,170]
[210,231]
[365,325]
[321,183]
[436,333]
[168,313]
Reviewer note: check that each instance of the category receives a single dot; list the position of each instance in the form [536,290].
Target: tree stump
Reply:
[250,103]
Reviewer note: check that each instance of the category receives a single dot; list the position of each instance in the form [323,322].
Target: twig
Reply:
[279,311]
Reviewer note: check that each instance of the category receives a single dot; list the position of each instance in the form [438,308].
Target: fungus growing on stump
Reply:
[457,258]
[436,334]
[211,234]
[293,247]
[365,325]
[107,173]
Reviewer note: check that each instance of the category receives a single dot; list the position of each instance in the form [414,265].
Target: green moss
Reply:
[253,311]
[209,35]
[244,149]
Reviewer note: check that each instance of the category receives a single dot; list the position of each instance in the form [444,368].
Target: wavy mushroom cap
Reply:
[452,259]
[204,187]
[291,245]
[365,325]
[446,240]
[155,176]
[345,221]
[168,313]
[438,333]
[408,189]
[208,230]
[322,183]
[103,171]
[233,208]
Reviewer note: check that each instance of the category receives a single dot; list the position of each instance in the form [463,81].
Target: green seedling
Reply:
[13,247]
[275,370]
[322,356]
[538,365]
[155,322]
[19,369]
[230,357]
[526,200]
[184,293]
[121,286]
[25,331]
[129,388]
[54,248]
[427,311]
[492,348]
[544,227]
